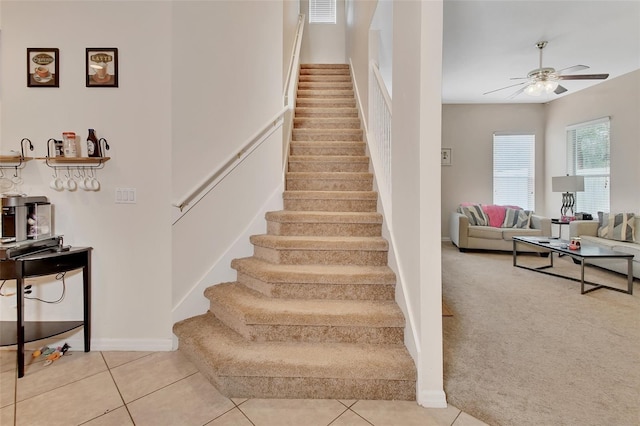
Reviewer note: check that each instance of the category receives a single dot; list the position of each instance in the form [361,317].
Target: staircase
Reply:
[312,313]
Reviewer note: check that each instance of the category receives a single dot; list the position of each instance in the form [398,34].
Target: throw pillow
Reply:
[619,227]
[475,214]
[517,218]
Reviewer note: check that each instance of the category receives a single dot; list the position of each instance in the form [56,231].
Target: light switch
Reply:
[126,196]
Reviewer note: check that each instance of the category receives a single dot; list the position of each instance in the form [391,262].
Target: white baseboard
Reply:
[432,398]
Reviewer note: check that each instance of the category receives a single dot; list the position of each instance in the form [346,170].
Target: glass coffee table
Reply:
[581,256]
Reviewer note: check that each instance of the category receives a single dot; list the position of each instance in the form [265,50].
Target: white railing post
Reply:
[379,132]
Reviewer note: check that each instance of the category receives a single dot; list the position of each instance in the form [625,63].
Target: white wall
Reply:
[416,134]
[619,99]
[241,42]
[226,84]
[468,131]
[291,10]
[132,242]
[324,43]
[383,23]
[358,21]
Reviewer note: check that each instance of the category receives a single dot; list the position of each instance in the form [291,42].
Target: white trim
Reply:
[431,398]
[588,123]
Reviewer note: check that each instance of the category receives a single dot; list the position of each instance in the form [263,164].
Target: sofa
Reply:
[491,227]
[618,232]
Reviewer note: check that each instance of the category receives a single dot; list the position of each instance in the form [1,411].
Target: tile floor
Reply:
[164,388]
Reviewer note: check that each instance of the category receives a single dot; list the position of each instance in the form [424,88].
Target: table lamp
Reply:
[568,185]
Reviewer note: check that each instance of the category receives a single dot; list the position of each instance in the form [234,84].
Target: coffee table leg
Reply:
[630,276]
[582,276]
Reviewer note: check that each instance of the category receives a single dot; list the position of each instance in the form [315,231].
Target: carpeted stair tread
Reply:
[327,135]
[337,282]
[326,112]
[231,355]
[253,308]
[326,123]
[356,148]
[320,85]
[319,243]
[314,274]
[328,163]
[324,66]
[328,217]
[330,200]
[326,102]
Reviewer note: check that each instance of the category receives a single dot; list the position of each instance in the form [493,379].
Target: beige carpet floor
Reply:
[525,348]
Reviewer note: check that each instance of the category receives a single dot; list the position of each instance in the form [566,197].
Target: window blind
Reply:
[322,11]
[588,155]
[514,170]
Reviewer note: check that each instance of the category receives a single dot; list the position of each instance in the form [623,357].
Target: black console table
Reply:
[49,262]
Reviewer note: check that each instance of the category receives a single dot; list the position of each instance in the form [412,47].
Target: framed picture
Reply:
[102,67]
[42,67]
[445,156]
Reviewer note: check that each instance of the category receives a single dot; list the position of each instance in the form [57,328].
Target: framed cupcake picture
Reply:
[102,67]
[42,67]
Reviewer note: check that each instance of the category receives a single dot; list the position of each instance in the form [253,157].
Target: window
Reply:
[514,170]
[588,156]
[322,11]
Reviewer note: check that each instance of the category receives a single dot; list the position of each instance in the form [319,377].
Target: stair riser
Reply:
[325,85]
[325,229]
[324,78]
[319,135]
[321,257]
[304,148]
[326,112]
[326,167]
[323,205]
[325,71]
[326,103]
[315,388]
[324,94]
[328,185]
[319,291]
[324,66]
[307,333]
[327,123]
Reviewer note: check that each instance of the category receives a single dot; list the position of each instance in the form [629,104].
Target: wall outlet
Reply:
[126,196]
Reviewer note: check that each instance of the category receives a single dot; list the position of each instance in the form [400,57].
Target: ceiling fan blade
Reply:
[559,90]
[517,92]
[584,77]
[572,69]
[502,88]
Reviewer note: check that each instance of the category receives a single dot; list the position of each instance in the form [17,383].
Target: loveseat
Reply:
[491,227]
[618,232]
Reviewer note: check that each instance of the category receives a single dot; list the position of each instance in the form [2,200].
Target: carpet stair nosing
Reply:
[290,359]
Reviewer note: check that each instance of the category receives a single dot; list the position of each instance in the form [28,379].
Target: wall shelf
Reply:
[76,162]
[57,162]
[16,161]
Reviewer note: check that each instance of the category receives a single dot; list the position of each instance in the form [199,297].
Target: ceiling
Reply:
[488,42]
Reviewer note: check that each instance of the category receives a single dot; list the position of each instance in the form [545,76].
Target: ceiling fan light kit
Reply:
[545,80]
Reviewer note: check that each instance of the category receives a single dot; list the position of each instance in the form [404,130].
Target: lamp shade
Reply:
[567,183]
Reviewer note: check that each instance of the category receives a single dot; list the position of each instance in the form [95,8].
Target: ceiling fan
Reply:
[544,80]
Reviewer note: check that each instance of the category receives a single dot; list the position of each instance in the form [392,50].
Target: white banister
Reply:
[290,83]
[211,181]
[379,133]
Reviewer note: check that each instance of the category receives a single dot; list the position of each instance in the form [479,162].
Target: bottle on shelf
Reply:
[93,147]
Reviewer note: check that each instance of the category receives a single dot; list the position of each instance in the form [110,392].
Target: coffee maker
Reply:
[25,217]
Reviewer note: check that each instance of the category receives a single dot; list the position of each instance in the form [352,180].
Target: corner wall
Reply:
[324,43]
[619,99]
